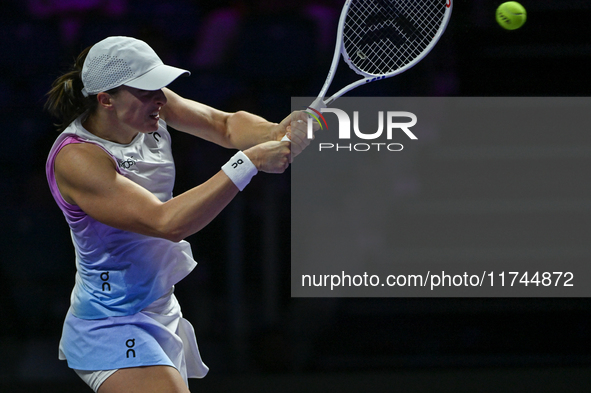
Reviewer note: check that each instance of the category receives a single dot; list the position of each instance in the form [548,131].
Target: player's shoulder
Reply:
[85,157]
[82,150]
[83,166]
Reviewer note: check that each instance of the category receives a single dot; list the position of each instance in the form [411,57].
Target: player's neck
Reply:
[101,126]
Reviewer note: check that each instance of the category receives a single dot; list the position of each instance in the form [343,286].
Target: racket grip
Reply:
[318,104]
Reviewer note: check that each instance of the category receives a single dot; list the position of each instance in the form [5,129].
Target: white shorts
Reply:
[95,379]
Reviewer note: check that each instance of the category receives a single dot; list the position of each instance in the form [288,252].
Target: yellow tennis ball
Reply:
[511,15]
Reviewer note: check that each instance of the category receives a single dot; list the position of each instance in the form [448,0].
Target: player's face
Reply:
[138,110]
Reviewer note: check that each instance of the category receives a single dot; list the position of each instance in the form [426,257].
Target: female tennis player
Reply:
[111,172]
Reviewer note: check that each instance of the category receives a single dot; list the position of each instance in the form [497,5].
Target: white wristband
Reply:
[240,170]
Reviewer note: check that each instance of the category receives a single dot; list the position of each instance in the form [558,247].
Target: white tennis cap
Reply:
[117,61]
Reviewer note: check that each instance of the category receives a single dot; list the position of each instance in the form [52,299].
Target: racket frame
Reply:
[320,101]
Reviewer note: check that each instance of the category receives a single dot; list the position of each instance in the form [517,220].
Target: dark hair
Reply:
[65,99]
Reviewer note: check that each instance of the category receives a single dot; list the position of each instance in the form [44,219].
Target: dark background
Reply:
[254,56]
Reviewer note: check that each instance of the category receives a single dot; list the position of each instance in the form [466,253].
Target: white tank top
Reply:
[120,272]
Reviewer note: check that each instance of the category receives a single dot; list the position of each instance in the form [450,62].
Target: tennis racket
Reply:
[382,38]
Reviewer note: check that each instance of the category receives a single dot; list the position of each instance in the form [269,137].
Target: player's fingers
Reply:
[303,124]
[290,145]
[298,115]
[298,144]
[285,157]
[287,133]
[299,133]
[298,126]
[296,136]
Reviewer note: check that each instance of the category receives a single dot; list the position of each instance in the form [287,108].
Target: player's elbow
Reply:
[173,236]
[177,227]
[171,231]
[173,221]
[162,225]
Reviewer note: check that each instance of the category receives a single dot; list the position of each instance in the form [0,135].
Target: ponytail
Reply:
[65,99]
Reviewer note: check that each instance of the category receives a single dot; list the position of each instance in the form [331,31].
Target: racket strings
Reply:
[382,36]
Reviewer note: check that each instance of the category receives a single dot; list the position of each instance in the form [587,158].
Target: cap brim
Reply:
[157,78]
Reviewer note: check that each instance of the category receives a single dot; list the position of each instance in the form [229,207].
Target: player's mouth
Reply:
[155,115]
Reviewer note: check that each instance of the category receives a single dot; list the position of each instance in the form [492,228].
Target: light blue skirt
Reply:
[157,335]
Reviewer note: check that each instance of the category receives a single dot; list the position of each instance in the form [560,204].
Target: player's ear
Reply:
[104,99]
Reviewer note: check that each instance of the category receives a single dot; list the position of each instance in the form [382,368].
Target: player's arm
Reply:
[86,176]
[238,130]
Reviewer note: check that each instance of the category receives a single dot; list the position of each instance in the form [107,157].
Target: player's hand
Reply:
[270,157]
[297,132]
[296,129]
